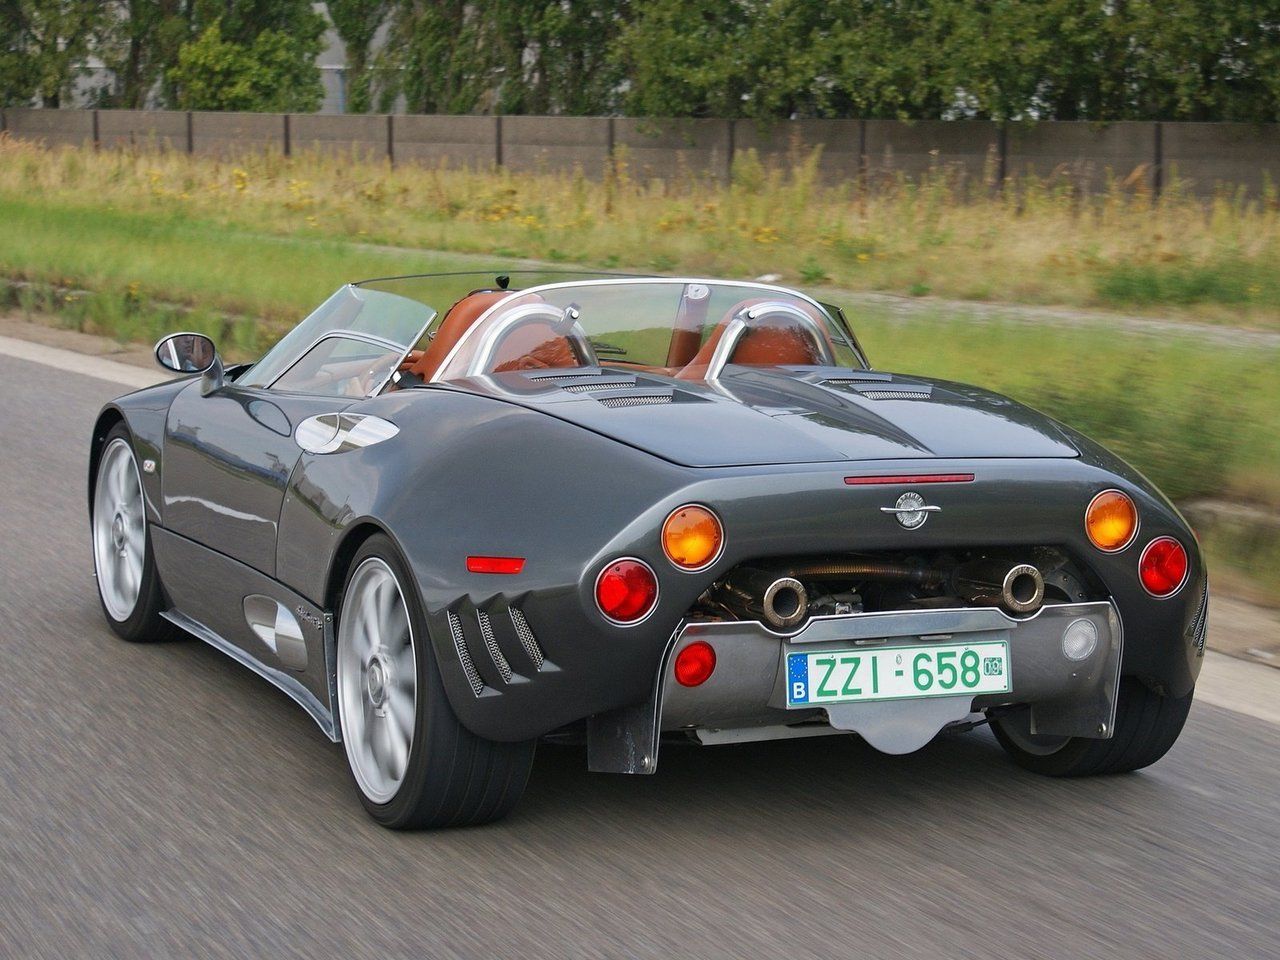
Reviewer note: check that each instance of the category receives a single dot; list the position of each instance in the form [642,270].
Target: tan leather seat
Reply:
[764,346]
[455,323]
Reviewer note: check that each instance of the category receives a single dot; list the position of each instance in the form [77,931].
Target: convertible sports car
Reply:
[623,510]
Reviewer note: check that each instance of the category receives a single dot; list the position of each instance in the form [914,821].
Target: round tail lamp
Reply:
[695,664]
[1111,521]
[626,591]
[1163,567]
[692,537]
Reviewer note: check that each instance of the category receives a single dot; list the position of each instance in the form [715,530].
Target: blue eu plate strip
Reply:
[797,678]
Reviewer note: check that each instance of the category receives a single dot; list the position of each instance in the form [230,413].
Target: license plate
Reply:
[897,673]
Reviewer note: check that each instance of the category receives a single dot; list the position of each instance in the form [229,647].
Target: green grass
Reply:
[167,256]
[1036,242]
[1199,420]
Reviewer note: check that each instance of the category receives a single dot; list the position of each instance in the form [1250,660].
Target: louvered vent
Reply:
[559,375]
[1200,623]
[491,644]
[895,394]
[527,639]
[596,385]
[464,654]
[641,400]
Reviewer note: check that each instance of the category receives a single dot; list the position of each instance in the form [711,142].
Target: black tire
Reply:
[1147,724]
[453,778]
[144,624]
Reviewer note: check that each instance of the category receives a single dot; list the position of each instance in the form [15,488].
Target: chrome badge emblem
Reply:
[911,511]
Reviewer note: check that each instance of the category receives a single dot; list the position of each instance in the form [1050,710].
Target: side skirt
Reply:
[289,685]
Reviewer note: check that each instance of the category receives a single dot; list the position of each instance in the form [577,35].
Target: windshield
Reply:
[686,328]
[398,321]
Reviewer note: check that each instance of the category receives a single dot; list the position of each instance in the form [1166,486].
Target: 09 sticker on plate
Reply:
[897,673]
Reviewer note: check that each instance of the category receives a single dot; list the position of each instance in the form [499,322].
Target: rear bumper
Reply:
[746,697]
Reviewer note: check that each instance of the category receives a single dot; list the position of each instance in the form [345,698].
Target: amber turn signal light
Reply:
[1111,521]
[692,537]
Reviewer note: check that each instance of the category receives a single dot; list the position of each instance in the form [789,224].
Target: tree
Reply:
[357,21]
[275,72]
[141,38]
[45,46]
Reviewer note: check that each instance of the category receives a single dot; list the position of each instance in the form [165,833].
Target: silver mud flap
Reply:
[746,697]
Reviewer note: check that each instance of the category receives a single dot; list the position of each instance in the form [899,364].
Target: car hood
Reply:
[765,415]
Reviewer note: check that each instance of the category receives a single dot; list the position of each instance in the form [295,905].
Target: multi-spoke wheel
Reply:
[377,680]
[413,763]
[128,584]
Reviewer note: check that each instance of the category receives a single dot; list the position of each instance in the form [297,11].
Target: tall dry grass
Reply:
[1034,242]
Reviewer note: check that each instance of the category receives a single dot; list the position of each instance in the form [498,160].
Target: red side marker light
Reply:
[909,479]
[695,664]
[495,564]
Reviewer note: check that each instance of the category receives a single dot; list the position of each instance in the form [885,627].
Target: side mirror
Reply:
[191,353]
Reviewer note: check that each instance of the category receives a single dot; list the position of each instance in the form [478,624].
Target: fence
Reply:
[1202,155]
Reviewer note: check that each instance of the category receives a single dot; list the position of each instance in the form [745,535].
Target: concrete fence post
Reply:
[863,160]
[1002,155]
[1157,181]
[732,149]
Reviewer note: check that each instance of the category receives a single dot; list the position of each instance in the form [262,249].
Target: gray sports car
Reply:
[453,515]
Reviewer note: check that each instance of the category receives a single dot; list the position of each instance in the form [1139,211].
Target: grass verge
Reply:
[1042,242]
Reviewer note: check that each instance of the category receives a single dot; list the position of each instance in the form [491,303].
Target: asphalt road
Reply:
[161,801]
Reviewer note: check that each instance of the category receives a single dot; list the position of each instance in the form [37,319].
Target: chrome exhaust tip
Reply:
[1022,590]
[785,603]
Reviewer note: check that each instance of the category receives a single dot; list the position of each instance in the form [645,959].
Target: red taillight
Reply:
[495,564]
[1163,567]
[695,664]
[908,479]
[626,591]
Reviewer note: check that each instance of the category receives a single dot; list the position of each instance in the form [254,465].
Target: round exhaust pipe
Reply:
[1022,590]
[1016,589]
[785,603]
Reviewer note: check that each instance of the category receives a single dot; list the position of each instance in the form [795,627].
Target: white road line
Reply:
[1249,688]
[82,363]
[1236,685]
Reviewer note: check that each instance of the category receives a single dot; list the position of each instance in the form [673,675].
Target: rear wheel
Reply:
[1147,724]
[123,562]
[413,762]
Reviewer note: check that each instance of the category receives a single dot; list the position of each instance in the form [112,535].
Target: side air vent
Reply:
[527,639]
[640,400]
[491,644]
[1200,623]
[464,654]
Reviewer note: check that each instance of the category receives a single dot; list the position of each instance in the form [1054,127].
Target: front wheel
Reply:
[413,762]
[1147,724]
[123,561]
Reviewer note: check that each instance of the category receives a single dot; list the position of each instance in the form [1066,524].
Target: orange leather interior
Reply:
[529,347]
[532,347]
[763,346]
[455,323]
